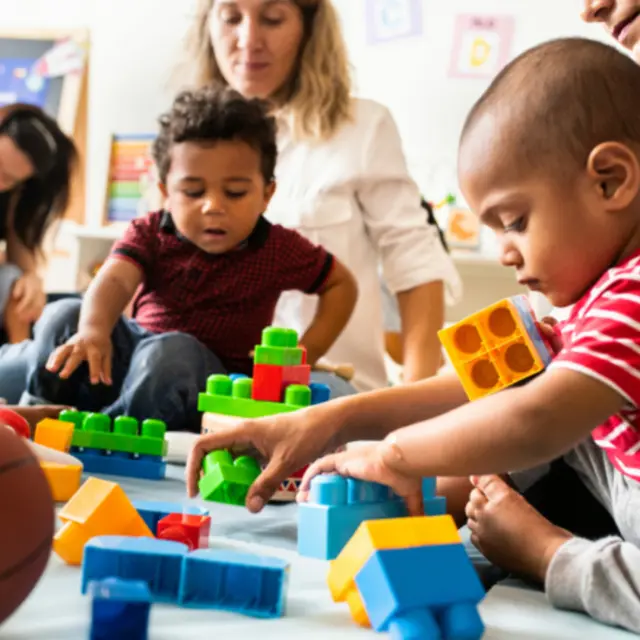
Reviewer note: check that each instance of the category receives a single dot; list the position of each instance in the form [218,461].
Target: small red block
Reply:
[191,530]
[15,421]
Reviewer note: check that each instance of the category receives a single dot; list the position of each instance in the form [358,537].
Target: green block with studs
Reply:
[283,356]
[227,480]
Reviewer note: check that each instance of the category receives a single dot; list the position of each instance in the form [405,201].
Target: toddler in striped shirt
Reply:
[550,160]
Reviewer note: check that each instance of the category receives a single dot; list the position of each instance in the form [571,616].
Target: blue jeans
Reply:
[154,375]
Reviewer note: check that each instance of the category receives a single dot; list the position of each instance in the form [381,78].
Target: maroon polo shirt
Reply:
[226,300]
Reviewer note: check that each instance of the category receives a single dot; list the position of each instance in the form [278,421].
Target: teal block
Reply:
[283,356]
[241,407]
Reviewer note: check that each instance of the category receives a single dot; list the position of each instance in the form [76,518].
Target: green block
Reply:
[298,395]
[77,417]
[277,337]
[95,433]
[241,407]
[219,385]
[242,388]
[226,480]
[283,356]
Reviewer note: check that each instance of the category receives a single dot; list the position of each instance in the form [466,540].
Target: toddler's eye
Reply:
[516,226]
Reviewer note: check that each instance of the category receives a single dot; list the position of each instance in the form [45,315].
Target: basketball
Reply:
[26,521]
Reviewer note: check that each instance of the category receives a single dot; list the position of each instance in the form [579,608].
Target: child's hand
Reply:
[366,462]
[28,292]
[91,346]
[547,327]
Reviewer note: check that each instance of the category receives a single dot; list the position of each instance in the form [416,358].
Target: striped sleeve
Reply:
[605,341]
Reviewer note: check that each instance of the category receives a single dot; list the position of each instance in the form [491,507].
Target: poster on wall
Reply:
[388,20]
[482,45]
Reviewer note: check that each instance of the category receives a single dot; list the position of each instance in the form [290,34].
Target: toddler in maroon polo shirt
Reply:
[204,275]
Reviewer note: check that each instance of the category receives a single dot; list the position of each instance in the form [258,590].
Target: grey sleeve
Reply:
[600,578]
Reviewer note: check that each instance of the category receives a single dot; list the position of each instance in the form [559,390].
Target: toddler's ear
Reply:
[615,170]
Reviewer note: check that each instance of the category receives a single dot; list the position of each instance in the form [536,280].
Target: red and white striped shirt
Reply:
[601,339]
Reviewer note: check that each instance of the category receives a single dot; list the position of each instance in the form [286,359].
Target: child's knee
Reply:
[58,319]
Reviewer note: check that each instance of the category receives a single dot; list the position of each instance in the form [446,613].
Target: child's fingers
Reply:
[18,289]
[58,358]
[106,368]
[328,464]
[73,361]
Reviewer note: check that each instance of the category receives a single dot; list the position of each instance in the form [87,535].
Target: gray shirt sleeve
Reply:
[600,578]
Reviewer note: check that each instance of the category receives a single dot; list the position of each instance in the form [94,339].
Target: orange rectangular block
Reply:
[55,434]
[99,508]
[63,479]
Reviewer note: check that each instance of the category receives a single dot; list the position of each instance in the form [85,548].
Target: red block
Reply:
[270,380]
[189,529]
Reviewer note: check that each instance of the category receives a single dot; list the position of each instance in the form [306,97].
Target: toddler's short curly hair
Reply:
[209,115]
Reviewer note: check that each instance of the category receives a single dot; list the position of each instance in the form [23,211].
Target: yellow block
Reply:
[55,434]
[376,535]
[64,479]
[491,349]
[99,508]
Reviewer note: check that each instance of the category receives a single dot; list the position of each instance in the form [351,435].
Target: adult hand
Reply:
[286,441]
[367,462]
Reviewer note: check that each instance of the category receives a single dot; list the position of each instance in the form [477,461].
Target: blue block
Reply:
[394,582]
[524,311]
[239,582]
[120,609]
[336,508]
[435,506]
[237,376]
[428,488]
[156,562]
[417,624]
[319,392]
[152,511]
[118,464]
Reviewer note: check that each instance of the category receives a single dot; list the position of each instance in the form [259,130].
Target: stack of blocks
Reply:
[497,347]
[122,449]
[280,384]
[411,577]
[337,506]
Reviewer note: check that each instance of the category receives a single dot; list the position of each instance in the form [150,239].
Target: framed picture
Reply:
[131,181]
[49,69]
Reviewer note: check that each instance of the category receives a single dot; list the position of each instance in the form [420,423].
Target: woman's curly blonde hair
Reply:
[317,100]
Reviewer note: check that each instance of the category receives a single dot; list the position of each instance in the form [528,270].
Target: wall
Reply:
[135,44]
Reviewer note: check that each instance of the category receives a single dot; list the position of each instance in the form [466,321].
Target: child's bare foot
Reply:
[509,531]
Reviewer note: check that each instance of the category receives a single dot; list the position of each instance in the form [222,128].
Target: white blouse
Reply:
[353,195]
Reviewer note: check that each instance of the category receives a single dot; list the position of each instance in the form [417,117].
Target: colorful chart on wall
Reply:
[482,45]
[388,20]
[131,178]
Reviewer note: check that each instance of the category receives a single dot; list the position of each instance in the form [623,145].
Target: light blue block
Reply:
[152,511]
[156,562]
[435,506]
[240,582]
[523,308]
[394,582]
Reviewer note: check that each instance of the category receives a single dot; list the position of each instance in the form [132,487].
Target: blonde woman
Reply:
[342,177]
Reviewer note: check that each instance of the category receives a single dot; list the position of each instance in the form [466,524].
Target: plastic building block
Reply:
[98,508]
[191,530]
[436,582]
[335,509]
[10,418]
[288,489]
[156,562]
[120,609]
[230,398]
[125,435]
[63,479]
[55,434]
[239,582]
[270,381]
[337,506]
[319,393]
[122,464]
[497,347]
[377,535]
[152,511]
[279,347]
[227,480]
